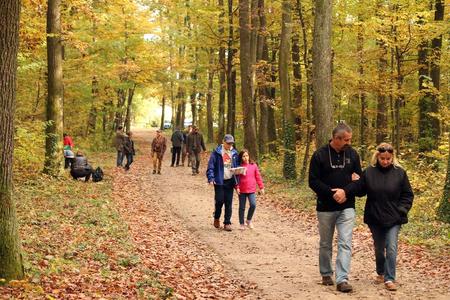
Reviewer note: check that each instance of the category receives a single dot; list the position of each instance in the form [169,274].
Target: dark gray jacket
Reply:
[177,138]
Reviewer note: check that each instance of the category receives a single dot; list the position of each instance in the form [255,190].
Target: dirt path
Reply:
[279,255]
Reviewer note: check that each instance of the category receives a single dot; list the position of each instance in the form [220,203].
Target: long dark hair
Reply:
[243,151]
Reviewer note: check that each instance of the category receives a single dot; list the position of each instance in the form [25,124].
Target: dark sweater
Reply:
[389,195]
[323,177]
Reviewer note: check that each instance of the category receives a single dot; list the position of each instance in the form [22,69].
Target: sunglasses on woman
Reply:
[383,149]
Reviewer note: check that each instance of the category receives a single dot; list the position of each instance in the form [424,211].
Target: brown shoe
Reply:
[390,286]
[327,280]
[379,279]
[227,227]
[217,223]
[344,287]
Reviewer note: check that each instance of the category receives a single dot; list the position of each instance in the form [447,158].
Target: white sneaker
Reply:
[242,227]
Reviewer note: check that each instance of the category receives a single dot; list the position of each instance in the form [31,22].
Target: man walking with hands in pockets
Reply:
[332,167]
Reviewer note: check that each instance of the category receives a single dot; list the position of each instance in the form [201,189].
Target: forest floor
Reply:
[170,218]
[136,235]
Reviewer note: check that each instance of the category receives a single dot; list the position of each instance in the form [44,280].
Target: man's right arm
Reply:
[315,180]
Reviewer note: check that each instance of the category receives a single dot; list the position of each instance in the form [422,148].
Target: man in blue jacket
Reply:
[220,175]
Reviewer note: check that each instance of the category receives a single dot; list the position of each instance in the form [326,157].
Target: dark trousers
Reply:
[129,161]
[176,151]
[223,195]
[194,157]
[67,162]
[80,173]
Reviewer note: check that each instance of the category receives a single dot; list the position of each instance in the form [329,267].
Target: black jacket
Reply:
[80,163]
[389,195]
[128,146]
[323,177]
[177,138]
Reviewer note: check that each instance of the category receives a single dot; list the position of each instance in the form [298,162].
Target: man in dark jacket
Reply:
[219,174]
[332,168]
[195,145]
[119,141]
[80,167]
[128,149]
[177,141]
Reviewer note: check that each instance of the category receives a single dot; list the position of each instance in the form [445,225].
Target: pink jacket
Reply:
[247,182]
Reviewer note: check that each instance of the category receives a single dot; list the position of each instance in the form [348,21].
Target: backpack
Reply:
[97,175]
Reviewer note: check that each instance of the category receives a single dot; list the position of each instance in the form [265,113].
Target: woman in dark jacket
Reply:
[80,167]
[389,198]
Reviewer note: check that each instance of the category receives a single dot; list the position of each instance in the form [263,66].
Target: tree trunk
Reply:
[53,164]
[129,104]
[271,125]
[362,94]
[92,118]
[263,75]
[381,122]
[222,79]
[247,80]
[297,84]
[429,127]
[11,265]
[163,112]
[321,72]
[307,63]
[209,98]
[289,168]
[444,205]
[231,74]
[121,98]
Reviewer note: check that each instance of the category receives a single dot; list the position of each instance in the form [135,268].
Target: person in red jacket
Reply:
[68,150]
[247,188]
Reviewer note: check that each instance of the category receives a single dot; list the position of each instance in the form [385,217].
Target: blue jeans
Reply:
[385,241]
[242,201]
[343,221]
[120,156]
[223,195]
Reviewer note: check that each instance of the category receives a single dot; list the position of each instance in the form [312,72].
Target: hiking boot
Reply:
[379,279]
[390,286]
[217,223]
[159,172]
[327,280]
[344,287]
[227,227]
[154,171]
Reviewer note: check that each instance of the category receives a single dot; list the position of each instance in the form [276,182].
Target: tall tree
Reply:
[429,74]
[444,205]
[54,130]
[222,83]
[289,168]
[246,79]
[382,66]
[321,71]
[11,266]
[231,73]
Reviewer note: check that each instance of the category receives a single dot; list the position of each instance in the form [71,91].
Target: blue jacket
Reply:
[214,172]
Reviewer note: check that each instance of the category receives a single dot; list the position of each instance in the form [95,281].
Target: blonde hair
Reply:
[374,159]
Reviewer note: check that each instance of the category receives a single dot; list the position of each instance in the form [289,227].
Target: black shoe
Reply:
[344,287]
[171,166]
[159,172]
[327,280]
[154,171]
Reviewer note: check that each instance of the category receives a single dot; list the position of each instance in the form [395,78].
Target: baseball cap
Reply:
[228,138]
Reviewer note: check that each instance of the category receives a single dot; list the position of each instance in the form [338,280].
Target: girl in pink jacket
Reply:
[247,188]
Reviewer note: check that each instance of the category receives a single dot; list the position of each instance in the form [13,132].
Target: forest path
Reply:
[170,218]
